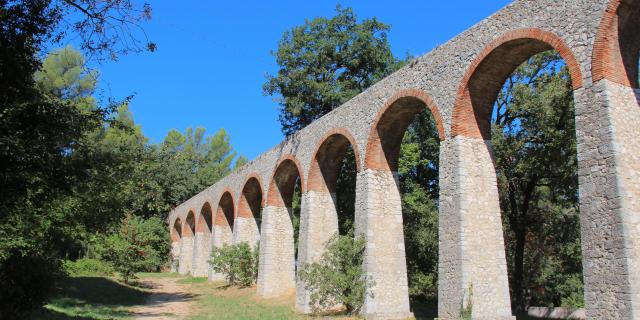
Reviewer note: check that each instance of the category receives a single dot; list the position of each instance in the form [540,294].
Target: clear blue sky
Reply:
[212,59]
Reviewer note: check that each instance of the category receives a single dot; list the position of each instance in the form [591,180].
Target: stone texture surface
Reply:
[276,269]
[318,223]
[246,230]
[201,254]
[471,244]
[186,255]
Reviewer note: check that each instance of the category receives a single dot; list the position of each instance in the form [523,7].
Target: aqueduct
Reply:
[457,82]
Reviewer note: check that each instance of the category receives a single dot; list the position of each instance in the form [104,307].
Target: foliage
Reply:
[418,174]
[138,245]
[338,278]
[325,62]
[238,263]
[533,135]
[87,267]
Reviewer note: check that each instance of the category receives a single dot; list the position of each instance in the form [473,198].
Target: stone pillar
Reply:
[186,255]
[318,223]
[472,270]
[608,128]
[379,219]
[276,270]
[201,254]
[175,255]
[221,235]
[246,230]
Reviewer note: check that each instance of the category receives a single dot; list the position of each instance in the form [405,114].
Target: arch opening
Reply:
[520,98]
[406,140]
[205,219]
[285,191]
[176,231]
[249,216]
[189,229]
[226,213]
[333,171]
[617,47]
[251,201]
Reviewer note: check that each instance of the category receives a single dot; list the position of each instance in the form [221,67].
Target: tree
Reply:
[325,62]
[533,136]
[418,168]
[137,245]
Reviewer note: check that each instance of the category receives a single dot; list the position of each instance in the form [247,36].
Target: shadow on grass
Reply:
[91,298]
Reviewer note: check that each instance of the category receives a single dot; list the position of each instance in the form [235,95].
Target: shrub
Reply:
[88,267]
[238,263]
[136,246]
[338,277]
[26,281]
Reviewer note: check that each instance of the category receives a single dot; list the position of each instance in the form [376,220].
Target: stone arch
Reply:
[616,49]
[189,228]
[280,193]
[205,219]
[383,146]
[276,271]
[176,237]
[249,217]
[185,263]
[383,210]
[202,241]
[481,84]
[327,157]
[225,214]
[176,230]
[320,219]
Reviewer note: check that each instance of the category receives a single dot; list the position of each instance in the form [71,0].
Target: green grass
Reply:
[87,298]
[232,303]
[192,280]
[156,275]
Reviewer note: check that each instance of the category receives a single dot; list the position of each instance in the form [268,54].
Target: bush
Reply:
[137,246]
[88,267]
[26,282]
[238,263]
[338,278]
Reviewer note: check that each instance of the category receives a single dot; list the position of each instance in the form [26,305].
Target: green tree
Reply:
[418,174]
[137,245]
[325,62]
[533,136]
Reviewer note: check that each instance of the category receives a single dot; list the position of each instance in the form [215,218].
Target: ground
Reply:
[160,296]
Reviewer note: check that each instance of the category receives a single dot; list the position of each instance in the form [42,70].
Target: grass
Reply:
[88,298]
[192,280]
[218,301]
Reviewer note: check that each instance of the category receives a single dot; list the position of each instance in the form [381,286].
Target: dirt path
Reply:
[170,300]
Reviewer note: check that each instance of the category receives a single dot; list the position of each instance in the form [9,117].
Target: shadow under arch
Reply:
[616,50]
[249,216]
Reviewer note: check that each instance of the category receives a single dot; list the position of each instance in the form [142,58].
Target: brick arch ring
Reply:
[186,222]
[272,180]
[253,175]
[606,59]
[343,132]
[199,215]
[463,109]
[233,206]
[418,94]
